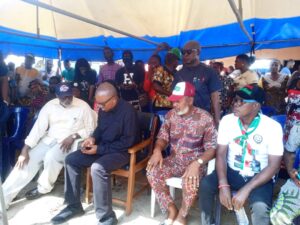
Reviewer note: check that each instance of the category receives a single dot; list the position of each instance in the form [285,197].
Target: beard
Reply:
[183,111]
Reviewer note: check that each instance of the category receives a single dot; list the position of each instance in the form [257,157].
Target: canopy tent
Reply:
[26,28]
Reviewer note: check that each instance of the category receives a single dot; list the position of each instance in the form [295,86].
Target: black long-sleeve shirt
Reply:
[117,130]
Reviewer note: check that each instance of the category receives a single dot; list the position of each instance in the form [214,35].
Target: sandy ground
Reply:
[40,211]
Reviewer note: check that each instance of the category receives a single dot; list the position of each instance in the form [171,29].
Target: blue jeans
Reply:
[260,199]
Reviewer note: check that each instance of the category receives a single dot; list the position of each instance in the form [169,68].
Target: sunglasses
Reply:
[188,51]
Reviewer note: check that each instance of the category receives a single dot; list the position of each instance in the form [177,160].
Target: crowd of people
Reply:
[209,112]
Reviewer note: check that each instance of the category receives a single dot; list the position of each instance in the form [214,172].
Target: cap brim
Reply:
[175,98]
[65,94]
[243,95]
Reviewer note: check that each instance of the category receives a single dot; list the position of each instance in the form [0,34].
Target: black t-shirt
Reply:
[123,77]
[84,83]
[205,80]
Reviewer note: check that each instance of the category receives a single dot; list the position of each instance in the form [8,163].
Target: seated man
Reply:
[287,207]
[248,156]
[60,122]
[106,150]
[191,133]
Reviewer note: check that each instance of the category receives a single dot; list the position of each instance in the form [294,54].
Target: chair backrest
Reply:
[148,123]
[17,122]
[280,119]
[268,110]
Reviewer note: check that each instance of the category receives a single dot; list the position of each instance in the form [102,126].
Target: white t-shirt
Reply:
[265,140]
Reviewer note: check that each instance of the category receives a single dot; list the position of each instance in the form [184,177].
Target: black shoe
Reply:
[109,221]
[33,194]
[67,213]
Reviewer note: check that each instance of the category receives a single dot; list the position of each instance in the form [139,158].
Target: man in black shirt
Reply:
[129,79]
[106,150]
[205,79]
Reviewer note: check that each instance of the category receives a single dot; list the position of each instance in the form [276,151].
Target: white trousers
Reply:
[52,158]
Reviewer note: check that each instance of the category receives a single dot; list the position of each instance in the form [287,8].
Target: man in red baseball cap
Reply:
[192,136]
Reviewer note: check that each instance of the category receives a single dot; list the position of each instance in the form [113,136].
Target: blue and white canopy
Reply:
[27,28]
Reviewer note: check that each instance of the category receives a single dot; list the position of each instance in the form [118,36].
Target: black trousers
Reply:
[260,199]
[101,168]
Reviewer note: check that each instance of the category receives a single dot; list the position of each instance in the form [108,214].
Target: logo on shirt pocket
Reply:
[258,138]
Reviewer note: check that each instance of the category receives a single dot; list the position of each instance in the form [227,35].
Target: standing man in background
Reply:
[204,78]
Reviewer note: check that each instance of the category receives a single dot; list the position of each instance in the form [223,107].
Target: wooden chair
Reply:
[139,156]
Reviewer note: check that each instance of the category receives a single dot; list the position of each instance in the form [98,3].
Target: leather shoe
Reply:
[109,221]
[33,194]
[67,213]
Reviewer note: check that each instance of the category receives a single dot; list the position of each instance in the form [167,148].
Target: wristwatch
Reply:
[74,136]
[200,161]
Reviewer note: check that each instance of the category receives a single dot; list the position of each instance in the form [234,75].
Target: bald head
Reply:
[192,45]
[106,89]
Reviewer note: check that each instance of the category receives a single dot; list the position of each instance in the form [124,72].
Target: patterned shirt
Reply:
[293,111]
[189,136]
[108,72]
[165,78]
[226,92]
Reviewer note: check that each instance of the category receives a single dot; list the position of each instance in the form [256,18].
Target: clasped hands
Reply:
[89,147]
[237,201]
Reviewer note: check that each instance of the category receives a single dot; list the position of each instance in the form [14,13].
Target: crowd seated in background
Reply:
[60,122]
[191,133]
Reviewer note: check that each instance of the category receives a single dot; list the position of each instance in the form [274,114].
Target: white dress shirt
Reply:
[55,122]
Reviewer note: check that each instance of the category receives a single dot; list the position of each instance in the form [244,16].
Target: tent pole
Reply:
[72,15]
[239,18]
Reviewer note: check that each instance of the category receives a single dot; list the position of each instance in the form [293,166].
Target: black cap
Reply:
[63,90]
[252,92]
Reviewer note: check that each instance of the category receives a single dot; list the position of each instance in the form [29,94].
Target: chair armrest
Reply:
[140,146]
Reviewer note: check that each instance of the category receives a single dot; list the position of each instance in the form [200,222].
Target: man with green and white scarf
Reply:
[248,156]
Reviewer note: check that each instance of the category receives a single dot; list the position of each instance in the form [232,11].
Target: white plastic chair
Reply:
[176,182]
[4,213]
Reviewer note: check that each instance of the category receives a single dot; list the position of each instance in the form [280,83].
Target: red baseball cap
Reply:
[182,89]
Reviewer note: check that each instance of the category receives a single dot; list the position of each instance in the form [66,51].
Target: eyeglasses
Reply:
[188,51]
[103,104]
[241,101]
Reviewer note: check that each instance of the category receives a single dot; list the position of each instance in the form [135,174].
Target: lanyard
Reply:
[242,140]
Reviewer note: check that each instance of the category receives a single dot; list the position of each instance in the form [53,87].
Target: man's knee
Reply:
[260,211]
[71,159]
[98,169]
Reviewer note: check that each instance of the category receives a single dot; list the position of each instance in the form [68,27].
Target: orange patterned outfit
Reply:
[189,136]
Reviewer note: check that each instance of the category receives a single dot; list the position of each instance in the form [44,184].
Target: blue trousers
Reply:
[260,199]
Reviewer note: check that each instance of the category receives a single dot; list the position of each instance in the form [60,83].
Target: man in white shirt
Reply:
[60,122]
[249,153]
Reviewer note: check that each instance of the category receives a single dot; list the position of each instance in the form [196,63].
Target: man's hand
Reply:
[88,142]
[225,197]
[67,144]
[22,160]
[191,176]
[155,160]
[92,150]
[293,175]
[239,198]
